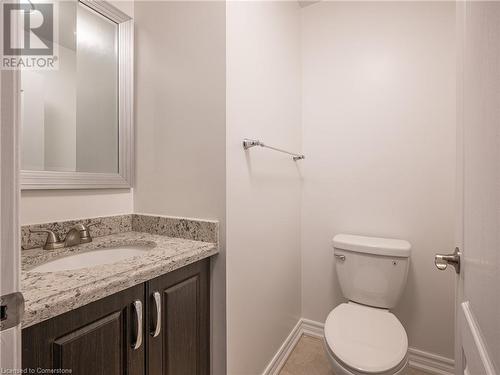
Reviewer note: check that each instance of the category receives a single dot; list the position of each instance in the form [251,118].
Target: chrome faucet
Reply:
[77,235]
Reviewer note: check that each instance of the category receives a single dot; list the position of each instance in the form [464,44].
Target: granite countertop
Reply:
[48,294]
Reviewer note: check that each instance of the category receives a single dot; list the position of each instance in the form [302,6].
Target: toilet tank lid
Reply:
[372,245]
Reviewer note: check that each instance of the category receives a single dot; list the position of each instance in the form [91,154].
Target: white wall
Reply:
[377,130]
[181,125]
[379,137]
[263,187]
[42,206]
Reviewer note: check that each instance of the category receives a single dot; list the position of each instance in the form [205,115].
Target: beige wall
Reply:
[379,137]
[263,187]
[181,125]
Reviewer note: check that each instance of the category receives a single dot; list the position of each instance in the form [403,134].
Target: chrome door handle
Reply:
[157,299]
[442,261]
[138,313]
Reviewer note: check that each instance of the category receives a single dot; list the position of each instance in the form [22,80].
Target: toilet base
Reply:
[339,369]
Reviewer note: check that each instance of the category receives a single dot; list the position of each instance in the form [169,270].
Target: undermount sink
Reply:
[93,258]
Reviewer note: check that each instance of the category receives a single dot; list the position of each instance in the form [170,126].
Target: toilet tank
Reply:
[371,270]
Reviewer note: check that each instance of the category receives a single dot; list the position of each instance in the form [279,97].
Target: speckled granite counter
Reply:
[49,294]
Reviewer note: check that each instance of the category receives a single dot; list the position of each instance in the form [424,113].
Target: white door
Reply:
[10,298]
[477,333]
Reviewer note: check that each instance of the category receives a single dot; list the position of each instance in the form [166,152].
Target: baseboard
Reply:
[311,328]
[274,367]
[418,359]
[431,363]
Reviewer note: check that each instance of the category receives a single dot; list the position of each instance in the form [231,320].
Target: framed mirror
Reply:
[77,120]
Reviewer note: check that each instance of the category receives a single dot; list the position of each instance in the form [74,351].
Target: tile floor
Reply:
[309,358]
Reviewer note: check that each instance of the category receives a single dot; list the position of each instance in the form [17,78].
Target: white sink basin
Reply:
[92,258]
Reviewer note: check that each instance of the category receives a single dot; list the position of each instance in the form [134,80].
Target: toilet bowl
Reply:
[362,336]
[365,340]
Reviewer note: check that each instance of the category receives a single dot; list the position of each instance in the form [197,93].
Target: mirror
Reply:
[76,119]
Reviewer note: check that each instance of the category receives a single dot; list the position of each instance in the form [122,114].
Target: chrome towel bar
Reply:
[249,143]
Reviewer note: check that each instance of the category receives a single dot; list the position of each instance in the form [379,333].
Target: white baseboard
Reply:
[431,363]
[311,328]
[418,359]
[274,367]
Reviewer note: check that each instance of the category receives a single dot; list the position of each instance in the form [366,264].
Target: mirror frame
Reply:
[37,180]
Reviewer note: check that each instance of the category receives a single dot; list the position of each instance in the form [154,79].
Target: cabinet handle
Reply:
[138,313]
[157,299]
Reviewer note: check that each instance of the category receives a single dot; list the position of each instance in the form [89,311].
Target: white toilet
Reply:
[363,336]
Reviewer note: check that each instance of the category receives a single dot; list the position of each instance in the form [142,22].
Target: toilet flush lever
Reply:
[441,261]
[340,257]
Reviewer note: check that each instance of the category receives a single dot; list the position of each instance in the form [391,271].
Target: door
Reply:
[10,297]
[477,333]
[179,322]
[105,337]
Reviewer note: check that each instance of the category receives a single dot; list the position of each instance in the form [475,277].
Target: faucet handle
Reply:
[93,224]
[83,229]
[82,226]
[52,242]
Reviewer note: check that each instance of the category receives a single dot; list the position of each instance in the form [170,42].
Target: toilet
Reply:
[362,336]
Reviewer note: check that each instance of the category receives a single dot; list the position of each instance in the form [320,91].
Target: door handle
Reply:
[138,313]
[157,299]
[11,310]
[442,261]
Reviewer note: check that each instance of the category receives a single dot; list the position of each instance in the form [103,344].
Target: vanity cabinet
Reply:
[155,328]
[94,339]
[180,343]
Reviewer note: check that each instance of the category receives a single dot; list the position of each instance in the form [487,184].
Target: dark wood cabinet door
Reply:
[96,339]
[182,345]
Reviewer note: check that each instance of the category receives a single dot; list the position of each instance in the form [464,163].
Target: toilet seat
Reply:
[366,340]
